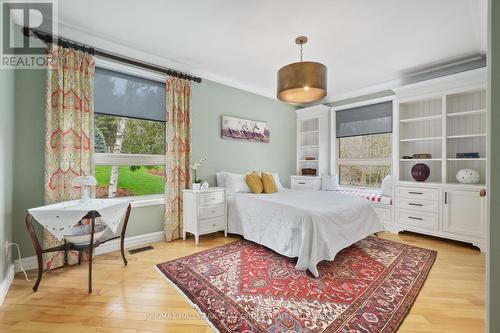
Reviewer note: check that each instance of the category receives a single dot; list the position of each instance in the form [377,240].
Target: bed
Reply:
[310,225]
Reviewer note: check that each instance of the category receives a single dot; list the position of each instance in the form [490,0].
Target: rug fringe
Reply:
[194,305]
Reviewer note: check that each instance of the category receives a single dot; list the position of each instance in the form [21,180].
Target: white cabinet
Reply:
[305,183]
[204,212]
[446,210]
[313,139]
[464,213]
[439,122]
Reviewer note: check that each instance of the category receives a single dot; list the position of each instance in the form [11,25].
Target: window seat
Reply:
[374,197]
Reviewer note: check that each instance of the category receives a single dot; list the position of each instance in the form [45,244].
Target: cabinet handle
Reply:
[302,183]
[419,193]
[415,204]
[445,198]
[415,218]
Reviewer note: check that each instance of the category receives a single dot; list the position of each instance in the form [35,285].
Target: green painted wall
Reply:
[7,110]
[210,102]
[494,250]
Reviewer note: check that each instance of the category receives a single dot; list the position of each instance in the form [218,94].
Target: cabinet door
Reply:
[464,213]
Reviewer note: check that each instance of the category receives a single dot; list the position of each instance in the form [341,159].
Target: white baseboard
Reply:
[30,263]
[6,282]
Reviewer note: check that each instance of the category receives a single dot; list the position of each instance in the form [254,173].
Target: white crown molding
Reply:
[389,85]
[6,282]
[114,46]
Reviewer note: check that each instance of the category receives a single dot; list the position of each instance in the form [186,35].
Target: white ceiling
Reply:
[364,43]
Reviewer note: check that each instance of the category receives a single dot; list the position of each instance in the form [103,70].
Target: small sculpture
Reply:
[468,176]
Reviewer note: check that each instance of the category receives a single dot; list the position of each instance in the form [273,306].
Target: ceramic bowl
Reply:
[80,234]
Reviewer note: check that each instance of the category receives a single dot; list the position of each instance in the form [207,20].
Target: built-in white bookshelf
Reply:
[443,125]
[312,139]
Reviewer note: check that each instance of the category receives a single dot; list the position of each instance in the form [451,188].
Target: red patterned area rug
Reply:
[245,287]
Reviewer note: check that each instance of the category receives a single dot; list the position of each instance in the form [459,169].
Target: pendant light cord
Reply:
[301,52]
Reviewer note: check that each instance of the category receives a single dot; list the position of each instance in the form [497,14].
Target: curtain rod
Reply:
[48,38]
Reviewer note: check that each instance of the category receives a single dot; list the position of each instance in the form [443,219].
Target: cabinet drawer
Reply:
[417,193]
[419,205]
[305,184]
[209,199]
[211,225]
[418,219]
[208,212]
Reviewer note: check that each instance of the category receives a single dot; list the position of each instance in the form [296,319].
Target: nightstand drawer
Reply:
[304,183]
[208,212]
[418,219]
[214,198]
[420,205]
[417,193]
[211,225]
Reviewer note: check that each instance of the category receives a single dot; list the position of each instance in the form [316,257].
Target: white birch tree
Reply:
[113,179]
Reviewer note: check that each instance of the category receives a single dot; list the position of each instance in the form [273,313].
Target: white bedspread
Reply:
[310,225]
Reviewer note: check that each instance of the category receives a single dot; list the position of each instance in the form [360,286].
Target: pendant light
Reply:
[302,82]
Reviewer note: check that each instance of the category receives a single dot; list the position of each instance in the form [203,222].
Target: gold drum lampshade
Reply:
[302,82]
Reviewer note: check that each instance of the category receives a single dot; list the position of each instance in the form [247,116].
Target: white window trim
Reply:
[128,159]
[132,159]
[147,200]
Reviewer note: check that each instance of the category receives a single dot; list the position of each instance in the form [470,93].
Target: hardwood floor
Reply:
[137,299]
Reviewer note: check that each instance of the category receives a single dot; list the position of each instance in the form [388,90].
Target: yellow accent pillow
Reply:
[254,182]
[268,183]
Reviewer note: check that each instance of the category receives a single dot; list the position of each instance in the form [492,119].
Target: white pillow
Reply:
[386,188]
[276,177]
[330,183]
[236,183]
[220,178]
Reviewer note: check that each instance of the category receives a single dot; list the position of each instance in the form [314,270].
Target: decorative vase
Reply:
[196,186]
[420,172]
[468,176]
[204,186]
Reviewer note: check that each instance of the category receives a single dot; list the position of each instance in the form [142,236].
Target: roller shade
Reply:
[364,120]
[125,95]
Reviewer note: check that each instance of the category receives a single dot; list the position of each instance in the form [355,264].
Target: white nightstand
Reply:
[204,212]
[305,183]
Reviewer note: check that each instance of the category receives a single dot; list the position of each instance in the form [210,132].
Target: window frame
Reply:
[111,159]
[337,162]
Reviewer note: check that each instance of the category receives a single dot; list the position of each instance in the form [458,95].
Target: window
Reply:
[364,145]
[129,134]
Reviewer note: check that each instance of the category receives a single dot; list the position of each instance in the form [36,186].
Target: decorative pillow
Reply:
[220,178]
[254,182]
[330,183]
[269,183]
[236,183]
[386,188]
[276,177]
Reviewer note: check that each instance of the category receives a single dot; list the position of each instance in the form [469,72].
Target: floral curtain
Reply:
[69,136]
[178,153]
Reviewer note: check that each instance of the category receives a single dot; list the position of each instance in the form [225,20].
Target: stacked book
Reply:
[468,155]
